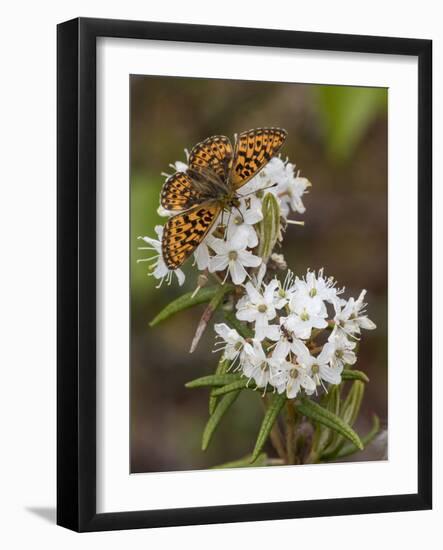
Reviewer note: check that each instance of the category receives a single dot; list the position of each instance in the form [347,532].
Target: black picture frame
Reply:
[76,295]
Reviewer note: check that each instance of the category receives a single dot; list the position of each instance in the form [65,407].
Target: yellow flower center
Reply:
[304,316]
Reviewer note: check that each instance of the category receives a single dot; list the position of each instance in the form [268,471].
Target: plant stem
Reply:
[207,314]
[218,279]
[312,457]
[277,442]
[290,432]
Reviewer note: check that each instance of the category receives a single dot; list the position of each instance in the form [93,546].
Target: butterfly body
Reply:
[209,186]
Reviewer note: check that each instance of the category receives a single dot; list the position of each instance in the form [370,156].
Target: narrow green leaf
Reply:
[237,385]
[316,412]
[188,300]
[240,327]
[349,410]
[269,227]
[213,380]
[271,415]
[349,448]
[214,419]
[351,406]
[222,368]
[351,374]
[332,403]
[245,462]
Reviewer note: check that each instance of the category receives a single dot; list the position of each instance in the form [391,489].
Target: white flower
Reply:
[279,178]
[318,367]
[343,350]
[305,314]
[256,307]
[274,176]
[350,317]
[285,291]
[202,255]
[316,289]
[233,256]
[291,195]
[262,369]
[234,343]
[297,377]
[160,269]
[243,219]
[285,344]
[288,376]
[179,165]
[277,171]
[163,212]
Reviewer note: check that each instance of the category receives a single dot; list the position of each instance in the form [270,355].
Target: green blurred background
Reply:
[337,137]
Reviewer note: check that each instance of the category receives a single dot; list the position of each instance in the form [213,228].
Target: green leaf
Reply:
[213,380]
[188,300]
[269,227]
[346,113]
[214,419]
[233,386]
[240,327]
[316,412]
[271,415]
[222,368]
[245,462]
[349,448]
[351,406]
[326,436]
[349,410]
[351,374]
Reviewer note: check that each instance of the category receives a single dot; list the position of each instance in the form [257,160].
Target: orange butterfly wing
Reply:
[253,150]
[214,154]
[179,192]
[185,231]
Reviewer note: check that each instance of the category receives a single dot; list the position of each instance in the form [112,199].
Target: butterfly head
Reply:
[233,202]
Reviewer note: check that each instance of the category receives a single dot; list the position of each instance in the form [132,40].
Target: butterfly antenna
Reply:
[257,190]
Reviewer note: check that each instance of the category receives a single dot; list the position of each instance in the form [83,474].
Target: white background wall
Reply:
[27,299]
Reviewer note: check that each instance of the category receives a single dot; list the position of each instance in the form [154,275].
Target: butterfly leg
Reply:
[241,215]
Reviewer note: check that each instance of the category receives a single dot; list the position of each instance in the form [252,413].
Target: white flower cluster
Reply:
[232,252]
[287,319]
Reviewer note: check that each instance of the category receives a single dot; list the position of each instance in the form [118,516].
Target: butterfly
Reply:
[209,186]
